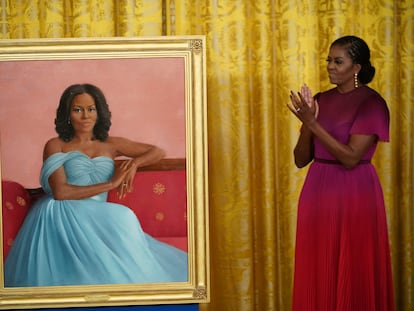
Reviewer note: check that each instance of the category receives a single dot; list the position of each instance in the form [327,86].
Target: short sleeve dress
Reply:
[342,259]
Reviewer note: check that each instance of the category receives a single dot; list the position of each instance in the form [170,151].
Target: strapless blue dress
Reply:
[88,241]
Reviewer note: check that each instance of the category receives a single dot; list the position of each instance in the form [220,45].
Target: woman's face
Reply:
[341,69]
[83,113]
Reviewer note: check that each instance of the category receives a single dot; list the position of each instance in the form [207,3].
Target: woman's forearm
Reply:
[348,154]
[303,152]
[153,155]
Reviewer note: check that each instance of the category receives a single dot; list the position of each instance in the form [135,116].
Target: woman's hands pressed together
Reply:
[304,106]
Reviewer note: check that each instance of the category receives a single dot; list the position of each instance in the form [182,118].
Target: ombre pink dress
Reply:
[342,250]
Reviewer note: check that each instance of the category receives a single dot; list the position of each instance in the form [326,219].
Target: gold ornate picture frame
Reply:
[189,51]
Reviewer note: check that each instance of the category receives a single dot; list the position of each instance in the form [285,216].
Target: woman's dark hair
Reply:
[63,124]
[359,52]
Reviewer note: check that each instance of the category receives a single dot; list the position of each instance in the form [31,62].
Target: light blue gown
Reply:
[88,241]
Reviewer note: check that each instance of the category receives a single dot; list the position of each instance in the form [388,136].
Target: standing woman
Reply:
[342,259]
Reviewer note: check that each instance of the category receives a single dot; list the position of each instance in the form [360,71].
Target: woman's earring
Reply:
[356,80]
[69,121]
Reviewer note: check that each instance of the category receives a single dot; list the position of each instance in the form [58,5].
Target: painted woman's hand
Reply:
[119,177]
[130,175]
[129,169]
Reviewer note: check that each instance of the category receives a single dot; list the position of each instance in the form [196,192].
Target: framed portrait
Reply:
[155,88]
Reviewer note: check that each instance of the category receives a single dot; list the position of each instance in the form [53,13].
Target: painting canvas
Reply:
[156,91]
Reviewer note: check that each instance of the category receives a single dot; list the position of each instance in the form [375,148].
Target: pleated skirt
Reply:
[342,259]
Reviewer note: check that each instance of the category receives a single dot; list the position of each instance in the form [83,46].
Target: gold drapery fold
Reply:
[257,51]
[81,18]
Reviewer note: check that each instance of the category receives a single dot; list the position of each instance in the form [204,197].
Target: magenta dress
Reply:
[342,259]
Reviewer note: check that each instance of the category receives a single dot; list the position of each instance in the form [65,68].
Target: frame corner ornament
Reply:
[200,292]
[196,45]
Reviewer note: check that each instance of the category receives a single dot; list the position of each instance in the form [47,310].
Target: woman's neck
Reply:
[83,138]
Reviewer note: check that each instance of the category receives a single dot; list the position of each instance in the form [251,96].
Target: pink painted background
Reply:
[146,97]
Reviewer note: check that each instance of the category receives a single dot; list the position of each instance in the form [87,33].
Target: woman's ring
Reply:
[297,109]
[124,184]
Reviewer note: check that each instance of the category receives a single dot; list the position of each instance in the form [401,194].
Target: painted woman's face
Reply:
[341,69]
[83,113]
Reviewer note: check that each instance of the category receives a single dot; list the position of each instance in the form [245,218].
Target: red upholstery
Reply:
[15,205]
[159,200]
[160,203]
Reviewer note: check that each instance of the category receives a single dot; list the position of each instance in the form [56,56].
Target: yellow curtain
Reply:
[80,18]
[257,51]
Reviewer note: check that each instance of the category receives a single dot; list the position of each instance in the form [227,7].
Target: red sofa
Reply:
[159,201]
